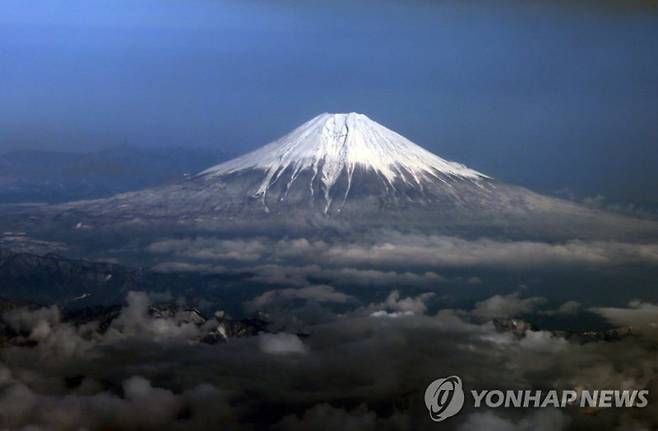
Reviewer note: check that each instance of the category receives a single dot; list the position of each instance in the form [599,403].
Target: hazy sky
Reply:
[548,95]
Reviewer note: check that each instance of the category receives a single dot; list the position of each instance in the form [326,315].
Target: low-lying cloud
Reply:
[357,369]
[391,250]
[319,293]
[504,306]
[639,315]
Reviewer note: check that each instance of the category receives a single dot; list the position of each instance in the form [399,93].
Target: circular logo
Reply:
[444,398]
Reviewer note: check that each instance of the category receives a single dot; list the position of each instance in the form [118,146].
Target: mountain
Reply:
[77,283]
[98,319]
[54,278]
[345,172]
[336,157]
[51,176]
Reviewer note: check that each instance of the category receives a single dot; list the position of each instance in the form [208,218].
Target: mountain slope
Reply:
[52,277]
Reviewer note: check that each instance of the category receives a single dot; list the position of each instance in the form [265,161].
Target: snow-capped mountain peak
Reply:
[344,173]
[331,145]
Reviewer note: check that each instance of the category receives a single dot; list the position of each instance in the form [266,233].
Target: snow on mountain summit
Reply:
[331,145]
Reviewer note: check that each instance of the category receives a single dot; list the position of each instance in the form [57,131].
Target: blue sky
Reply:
[545,94]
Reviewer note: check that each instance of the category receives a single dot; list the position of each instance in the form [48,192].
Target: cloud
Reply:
[543,420]
[414,305]
[172,266]
[352,370]
[504,306]
[443,251]
[327,417]
[55,340]
[388,257]
[569,308]
[319,293]
[292,274]
[135,321]
[281,344]
[642,316]
[241,250]
[542,341]
[396,306]
[142,406]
